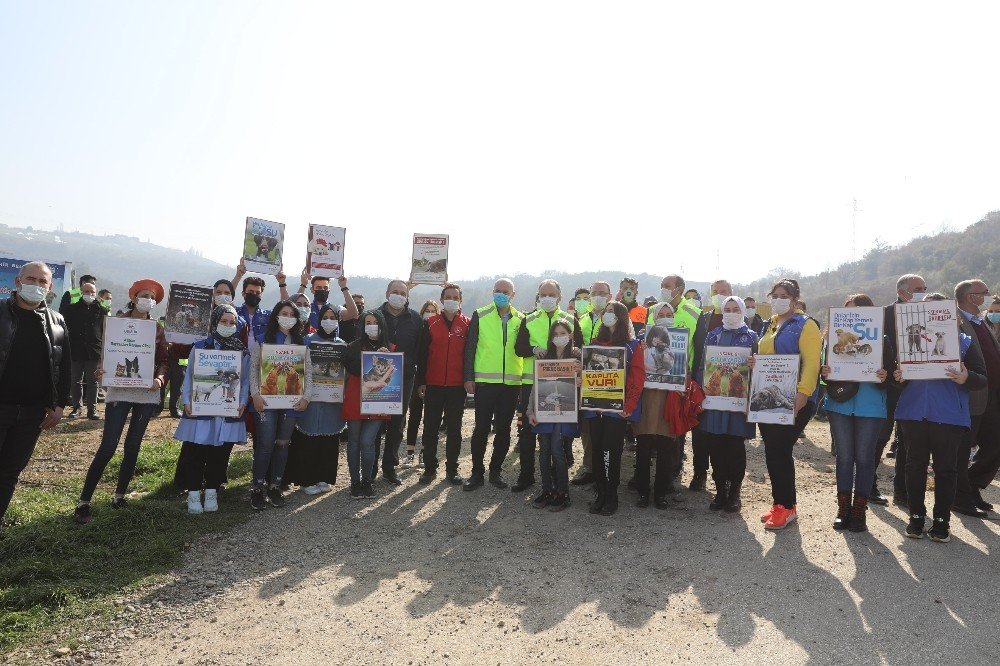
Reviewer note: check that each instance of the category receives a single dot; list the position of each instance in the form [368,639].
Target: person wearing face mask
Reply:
[302,304]
[492,372]
[274,427]
[363,429]
[207,441]
[789,331]
[314,453]
[686,312]
[754,321]
[580,305]
[532,342]
[628,290]
[255,317]
[589,325]
[85,324]
[440,382]
[984,405]
[104,299]
[320,287]
[993,316]
[121,403]
[72,296]
[428,310]
[554,437]
[694,297]
[34,372]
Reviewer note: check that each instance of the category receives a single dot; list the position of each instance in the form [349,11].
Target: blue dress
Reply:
[212,430]
[321,418]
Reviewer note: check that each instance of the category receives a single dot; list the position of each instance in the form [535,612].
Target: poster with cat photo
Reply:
[430,259]
[381,383]
[326,360]
[263,243]
[726,378]
[282,375]
[129,355]
[927,339]
[854,343]
[773,384]
[189,313]
[215,382]
[666,358]
[325,251]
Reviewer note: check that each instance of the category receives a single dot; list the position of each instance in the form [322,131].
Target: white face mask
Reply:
[717,301]
[731,320]
[226,331]
[223,299]
[695,302]
[144,304]
[609,319]
[917,297]
[32,293]
[665,322]
[396,301]
[286,323]
[371,330]
[329,325]
[450,306]
[781,306]
[548,303]
[428,315]
[560,341]
[599,302]
[751,313]
[303,313]
[666,295]
[88,298]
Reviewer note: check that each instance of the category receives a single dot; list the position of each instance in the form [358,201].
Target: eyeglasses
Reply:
[979,293]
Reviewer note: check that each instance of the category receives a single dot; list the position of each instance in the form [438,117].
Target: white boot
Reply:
[211,499]
[194,501]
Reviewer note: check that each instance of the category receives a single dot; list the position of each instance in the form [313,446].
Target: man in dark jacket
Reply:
[34,372]
[85,325]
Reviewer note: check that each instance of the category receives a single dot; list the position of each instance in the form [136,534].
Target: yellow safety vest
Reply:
[496,362]
[589,328]
[539,323]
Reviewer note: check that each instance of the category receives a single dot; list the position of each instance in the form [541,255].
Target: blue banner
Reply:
[61,277]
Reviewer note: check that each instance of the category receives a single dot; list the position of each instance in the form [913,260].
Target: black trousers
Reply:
[177,372]
[18,435]
[729,458]
[312,459]
[668,453]
[494,402]
[527,441]
[899,480]
[607,437]
[447,402]
[985,433]
[416,412]
[925,440]
[699,450]
[778,443]
[206,465]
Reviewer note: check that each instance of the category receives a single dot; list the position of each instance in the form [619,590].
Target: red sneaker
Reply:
[766,516]
[780,518]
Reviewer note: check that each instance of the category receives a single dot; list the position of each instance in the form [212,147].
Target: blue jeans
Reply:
[857,443]
[552,461]
[270,445]
[115,415]
[361,436]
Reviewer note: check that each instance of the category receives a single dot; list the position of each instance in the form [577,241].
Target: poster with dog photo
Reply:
[555,390]
[854,343]
[603,386]
[773,384]
[927,339]
[129,354]
[263,244]
[381,383]
[666,358]
[430,259]
[282,375]
[325,251]
[726,378]
[326,362]
[215,382]
[189,313]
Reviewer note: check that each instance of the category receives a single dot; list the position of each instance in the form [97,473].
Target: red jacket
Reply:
[441,353]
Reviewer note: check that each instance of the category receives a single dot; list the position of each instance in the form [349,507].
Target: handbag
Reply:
[841,391]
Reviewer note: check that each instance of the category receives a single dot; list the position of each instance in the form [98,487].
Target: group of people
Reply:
[489,353]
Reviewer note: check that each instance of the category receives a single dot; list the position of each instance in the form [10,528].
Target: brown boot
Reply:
[843,511]
[858,522]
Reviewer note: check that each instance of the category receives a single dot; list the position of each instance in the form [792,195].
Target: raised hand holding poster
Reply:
[430,259]
[189,313]
[263,244]
[325,251]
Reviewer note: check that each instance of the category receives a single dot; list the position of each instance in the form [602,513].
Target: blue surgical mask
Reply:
[994,317]
[501,300]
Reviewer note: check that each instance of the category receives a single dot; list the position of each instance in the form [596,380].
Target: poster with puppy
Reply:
[282,375]
[854,343]
[382,383]
[189,313]
[430,259]
[773,384]
[603,387]
[927,339]
[726,377]
[263,244]
[666,358]
[555,390]
[325,251]
[129,352]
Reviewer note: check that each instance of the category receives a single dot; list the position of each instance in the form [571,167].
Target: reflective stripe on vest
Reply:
[539,322]
[496,362]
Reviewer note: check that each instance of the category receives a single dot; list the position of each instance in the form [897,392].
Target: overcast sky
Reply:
[541,135]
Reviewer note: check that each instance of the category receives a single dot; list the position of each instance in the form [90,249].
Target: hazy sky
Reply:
[542,135]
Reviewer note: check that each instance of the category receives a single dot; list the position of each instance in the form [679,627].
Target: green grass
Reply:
[54,572]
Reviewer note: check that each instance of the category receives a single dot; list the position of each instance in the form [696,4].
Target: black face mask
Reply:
[253,300]
[321,295]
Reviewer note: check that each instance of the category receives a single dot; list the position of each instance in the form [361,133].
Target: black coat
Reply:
[58,343]
[86,329]
[404,332]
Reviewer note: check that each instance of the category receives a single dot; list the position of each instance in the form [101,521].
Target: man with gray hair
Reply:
[34,372]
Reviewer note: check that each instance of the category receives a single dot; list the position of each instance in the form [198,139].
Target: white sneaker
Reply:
[324,487]
[194,502]
[211,500]
[407,461]
[312,490]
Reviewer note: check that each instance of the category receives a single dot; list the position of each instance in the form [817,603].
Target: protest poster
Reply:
[927,339]
[215,382]
[666,358]
[282,375]
[854,343]
[326,360]
[555,390]
[381,383]
[189,313]
[263,244]
[726,377]
[325,251]
[604,370]
[430,259]
[129,355]
[773,385]
[62,278]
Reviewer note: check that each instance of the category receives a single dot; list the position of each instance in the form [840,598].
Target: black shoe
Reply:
[427,477]
[257,502]
[583,478]
[939,531]
[82,514]
[718,501]
[559,503]
[877,497]
[497,480]
[698,481]
[915,530]
[389,476]
[891,454]
[899,498]
[643,501]
[275,497]
[979,501]
[73,414]
[542,500]
[598,504]
[661,503]
[521,485]
[454,479]
[368,490]
[610,504]
[733,502]
[119,503]
[355,491]
[473,482]
[175,415]
[92,415]
[969,510]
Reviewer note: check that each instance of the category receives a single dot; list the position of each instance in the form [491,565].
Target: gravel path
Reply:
[429,575]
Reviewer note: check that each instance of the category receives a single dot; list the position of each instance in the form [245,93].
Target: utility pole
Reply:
[854,229]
